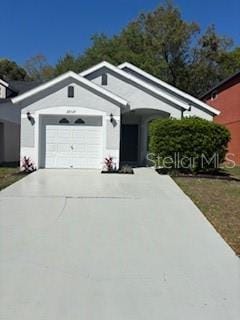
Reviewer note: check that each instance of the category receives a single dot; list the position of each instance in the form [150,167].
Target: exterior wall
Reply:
[136,96]
[139,98]
[57,104]
[9,140]
[10,112]
[57,97]
[228,102]
[10,116]
[2,91]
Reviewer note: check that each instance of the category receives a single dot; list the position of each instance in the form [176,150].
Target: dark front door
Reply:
[129,143]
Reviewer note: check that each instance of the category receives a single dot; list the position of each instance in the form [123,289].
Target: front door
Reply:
[129,143]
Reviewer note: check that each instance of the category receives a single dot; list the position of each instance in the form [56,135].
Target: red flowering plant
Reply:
[28,165]
[109,164]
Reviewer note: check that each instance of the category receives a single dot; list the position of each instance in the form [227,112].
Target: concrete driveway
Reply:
[80,245]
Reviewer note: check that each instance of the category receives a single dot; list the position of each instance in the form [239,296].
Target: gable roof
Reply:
[170,88]
[137,81]
[73,75]
[220,84]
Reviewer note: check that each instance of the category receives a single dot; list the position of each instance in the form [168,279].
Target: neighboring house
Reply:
[226,98]
[10,118]
[74,121]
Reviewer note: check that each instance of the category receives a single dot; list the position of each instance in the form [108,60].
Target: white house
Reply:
[75,120]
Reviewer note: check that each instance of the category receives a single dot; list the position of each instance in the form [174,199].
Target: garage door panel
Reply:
[51,147]
[64,148]
[78,135]
[92,148]
[78,148]
[51,137]
[73,146]
[63,161]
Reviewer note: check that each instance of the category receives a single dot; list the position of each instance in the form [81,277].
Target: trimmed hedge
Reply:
[190,144]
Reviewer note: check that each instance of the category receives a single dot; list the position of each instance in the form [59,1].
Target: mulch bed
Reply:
[216,175]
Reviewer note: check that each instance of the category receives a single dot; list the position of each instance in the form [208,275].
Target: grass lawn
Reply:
[219,200]
[9,176]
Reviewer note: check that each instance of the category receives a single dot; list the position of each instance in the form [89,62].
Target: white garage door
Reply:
[70,146]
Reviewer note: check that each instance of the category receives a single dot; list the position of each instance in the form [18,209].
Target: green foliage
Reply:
[207,67]
[188,144]
[230,62]
[11,71]
[66,63]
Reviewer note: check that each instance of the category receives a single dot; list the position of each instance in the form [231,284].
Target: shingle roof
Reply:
[17,87]
[22,86]
[221,83]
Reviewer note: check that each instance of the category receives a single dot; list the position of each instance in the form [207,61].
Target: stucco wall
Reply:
[10,116]
[140,98]
[27,133]
[10,141]
[136,96]
[56,96]
[10,112]
[195,110]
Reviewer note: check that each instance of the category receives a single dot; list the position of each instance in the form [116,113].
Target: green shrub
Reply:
[190,144]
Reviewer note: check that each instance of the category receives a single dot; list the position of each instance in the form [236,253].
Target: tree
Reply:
[230,61]
[103,48]
[11,71]
[169,40]
[66,63]
[207,67]
[162,43]
[38,68]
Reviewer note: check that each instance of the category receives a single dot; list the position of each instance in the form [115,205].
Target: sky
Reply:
[54,27]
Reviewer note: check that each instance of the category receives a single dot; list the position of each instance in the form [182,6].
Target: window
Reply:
[64,120]
[104,79]
[80,121]
[70,92]
[214,95]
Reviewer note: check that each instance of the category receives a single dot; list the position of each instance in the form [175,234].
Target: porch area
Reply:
[134,134]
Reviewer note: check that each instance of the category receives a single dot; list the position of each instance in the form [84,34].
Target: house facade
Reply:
[76,120]
[10,118]
[226,98]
